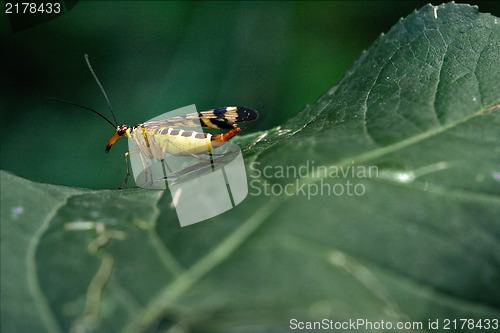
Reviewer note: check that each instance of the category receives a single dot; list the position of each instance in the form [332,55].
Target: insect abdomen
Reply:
[155,144]
[180,142]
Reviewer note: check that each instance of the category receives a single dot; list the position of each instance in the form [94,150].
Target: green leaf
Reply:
[391,215]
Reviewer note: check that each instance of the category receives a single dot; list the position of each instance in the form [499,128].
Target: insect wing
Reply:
[190,120]
[216,118]
[227,116]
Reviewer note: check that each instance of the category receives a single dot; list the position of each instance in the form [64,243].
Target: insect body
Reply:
[156,138]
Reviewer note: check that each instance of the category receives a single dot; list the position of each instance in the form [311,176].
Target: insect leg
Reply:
[128,171]
[126,165]
[145,169]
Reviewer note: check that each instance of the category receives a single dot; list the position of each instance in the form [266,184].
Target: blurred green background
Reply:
[153,57]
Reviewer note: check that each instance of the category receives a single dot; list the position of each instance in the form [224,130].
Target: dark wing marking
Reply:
[215,118]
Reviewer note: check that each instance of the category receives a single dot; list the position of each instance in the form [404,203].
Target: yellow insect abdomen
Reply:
[180,142]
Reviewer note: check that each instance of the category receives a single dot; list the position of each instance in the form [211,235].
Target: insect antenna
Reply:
[83,107]
[102,89]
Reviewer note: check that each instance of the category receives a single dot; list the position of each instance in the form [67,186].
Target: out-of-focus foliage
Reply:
[156,56]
